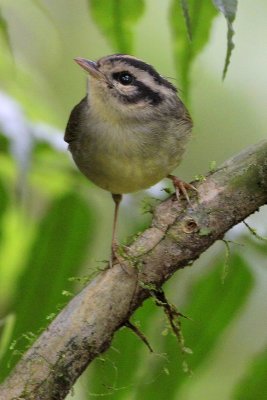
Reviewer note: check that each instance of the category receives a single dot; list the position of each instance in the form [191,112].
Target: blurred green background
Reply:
[55,226]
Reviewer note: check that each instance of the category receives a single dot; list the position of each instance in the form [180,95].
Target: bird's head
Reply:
[126,86]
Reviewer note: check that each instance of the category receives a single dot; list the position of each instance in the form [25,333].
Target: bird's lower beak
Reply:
[89,66]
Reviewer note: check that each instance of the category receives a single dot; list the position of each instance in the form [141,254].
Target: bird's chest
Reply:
[123,159]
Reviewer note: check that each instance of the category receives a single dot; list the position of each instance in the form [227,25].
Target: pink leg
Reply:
[181,187]
[117,199]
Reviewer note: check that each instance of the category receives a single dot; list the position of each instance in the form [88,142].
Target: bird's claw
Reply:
[116,257]
[181,187]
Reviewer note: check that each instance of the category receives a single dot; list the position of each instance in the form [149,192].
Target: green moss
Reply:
[151,287]
[200,178]
[205,231]
[173,236]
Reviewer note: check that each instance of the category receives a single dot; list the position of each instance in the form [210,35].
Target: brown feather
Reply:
[73,127]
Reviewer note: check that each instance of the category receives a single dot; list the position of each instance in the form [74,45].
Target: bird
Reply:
[130,130]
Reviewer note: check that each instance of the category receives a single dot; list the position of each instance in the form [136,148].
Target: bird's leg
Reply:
[181,187]
[117,199]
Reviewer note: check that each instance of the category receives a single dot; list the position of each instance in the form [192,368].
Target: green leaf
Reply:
[6,335]
[254,384]
[4,30]
[58,252]
[185,8]
[116,19]
[212,308]
[201,14]
[4,144]
[228,8]
[4,200]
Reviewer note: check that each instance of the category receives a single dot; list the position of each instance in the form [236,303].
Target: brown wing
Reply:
[73,127]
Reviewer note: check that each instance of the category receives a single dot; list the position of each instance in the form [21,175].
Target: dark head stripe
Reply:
[143,67]
[144,92]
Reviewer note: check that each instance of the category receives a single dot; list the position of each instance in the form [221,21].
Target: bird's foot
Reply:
[181,187]
[114,254]
[117,257]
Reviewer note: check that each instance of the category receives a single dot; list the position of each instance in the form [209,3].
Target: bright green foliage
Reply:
[57,253]
[6,334]
[254,384]
[185,8]
[117,18]
[4,29]
[3,204]
[228,8]
[201,13]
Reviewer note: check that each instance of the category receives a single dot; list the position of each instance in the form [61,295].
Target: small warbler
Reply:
[130,130]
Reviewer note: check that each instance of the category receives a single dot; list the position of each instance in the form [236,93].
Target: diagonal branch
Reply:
[176,237]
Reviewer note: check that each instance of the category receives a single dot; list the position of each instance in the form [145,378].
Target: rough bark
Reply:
[177,236]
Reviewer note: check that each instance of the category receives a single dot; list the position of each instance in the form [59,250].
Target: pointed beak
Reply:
[90,67]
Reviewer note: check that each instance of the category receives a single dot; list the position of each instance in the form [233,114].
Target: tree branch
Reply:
[177,236]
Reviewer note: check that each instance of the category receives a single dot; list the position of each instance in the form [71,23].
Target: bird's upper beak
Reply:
[89,66]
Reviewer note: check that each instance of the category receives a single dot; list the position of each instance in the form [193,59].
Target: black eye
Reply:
[124,77]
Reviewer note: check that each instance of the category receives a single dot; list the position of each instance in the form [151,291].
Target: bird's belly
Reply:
[125,174]
[123,160]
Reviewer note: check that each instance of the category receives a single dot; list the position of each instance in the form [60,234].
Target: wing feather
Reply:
[73,127]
